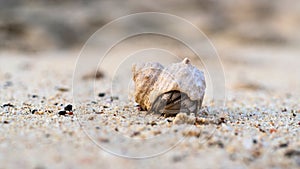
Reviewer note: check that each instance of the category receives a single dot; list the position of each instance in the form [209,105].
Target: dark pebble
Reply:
[33,111]
[291,153]
[168,120]
[99,112]
[63,112]
[101,94]
[283,145]
[221,120]
[136,133]
[254,141]
[62,89]
[49,111]
[34,96]
[153,123]
[69,107]
[261,130]
[8,105]
[5,122]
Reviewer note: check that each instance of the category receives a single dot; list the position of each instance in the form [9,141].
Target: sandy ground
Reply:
[258,128]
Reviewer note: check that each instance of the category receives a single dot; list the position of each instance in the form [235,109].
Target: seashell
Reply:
[179,87]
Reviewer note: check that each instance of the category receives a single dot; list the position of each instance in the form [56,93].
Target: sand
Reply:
[259,127]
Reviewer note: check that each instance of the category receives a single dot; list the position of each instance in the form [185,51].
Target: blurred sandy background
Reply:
[258,41]
[37,25]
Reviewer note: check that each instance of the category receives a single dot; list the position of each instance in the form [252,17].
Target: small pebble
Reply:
[136,133]
[291,153]
[101,94]
[283,145]
[62,89]
[8,105]
[183,118]
[5,122]
[153,123]
[169,120]
[39,112]
[33,111]
[99,112]
[62,112]
[262,130]
[68,107]
[34,96]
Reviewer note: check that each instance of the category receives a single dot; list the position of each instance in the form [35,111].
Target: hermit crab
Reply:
[179,87]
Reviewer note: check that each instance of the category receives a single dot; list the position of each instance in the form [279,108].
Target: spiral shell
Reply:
[179,87]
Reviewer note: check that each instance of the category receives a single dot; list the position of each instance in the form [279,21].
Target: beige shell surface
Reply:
[144,77]
[153,80]
[183,77]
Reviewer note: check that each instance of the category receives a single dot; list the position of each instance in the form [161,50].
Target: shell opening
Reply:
[173,102]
